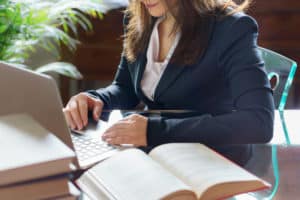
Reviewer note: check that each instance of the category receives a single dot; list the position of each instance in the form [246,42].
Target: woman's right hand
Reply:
[76,110]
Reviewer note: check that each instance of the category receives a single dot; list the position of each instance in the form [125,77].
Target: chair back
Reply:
[282,69]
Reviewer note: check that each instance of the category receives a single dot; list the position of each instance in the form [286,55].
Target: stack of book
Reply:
[34,163]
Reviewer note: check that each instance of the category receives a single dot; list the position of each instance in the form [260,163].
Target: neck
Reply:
[168,23]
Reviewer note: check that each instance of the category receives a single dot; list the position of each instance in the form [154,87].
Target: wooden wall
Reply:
[98,55]
[279,21]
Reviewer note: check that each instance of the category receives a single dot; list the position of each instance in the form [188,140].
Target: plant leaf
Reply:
[26,25]
[15,64]
[66,69]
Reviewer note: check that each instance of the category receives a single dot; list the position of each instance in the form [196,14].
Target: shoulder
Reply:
[236,24]
[238,29]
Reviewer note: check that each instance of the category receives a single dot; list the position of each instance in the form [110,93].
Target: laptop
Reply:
[24,91]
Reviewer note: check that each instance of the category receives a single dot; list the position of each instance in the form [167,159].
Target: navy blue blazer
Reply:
[228,87]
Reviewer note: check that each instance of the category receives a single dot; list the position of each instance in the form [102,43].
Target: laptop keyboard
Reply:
[87,147]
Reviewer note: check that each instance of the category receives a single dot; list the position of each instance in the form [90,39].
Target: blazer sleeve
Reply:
[252,119]
[120,94]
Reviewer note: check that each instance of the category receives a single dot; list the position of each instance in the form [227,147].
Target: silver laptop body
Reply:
[24,91]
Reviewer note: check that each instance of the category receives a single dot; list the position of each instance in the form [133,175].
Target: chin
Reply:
[156,14]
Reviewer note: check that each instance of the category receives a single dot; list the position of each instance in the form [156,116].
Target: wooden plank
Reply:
[97,60]
[110,28]
[264,6]
[279,26]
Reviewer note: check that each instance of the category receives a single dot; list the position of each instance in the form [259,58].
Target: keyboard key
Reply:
[87,147]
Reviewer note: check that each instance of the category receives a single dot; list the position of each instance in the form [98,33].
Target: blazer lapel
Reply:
[172,71]
[140,68]
[170,74]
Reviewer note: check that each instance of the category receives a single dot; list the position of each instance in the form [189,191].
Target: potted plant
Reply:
[26,25]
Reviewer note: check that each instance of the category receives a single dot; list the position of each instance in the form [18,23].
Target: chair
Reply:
[283,70]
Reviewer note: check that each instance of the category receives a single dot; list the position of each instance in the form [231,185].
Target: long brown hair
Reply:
[191,18]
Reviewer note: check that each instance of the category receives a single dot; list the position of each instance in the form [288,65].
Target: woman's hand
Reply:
[130,130]
[76,111]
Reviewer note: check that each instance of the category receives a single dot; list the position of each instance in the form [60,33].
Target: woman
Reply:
[198,55]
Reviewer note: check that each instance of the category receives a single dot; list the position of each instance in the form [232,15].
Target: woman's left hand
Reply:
[130,130]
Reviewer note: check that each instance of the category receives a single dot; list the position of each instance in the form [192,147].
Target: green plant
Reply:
[28,24]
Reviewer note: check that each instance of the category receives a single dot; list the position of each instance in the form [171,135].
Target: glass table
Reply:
[277,162]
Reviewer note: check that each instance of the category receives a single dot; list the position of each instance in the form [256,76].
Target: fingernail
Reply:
[108,140]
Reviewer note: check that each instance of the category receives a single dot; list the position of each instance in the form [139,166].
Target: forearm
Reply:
[115,97]
[249,124]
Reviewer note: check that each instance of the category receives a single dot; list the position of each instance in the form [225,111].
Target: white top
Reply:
[154,70]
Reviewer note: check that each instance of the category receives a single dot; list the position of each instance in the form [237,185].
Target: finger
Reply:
[116,131]
[113,133]
[69,119]
[96,112]
[96,105]
[109,134]
[75,114]
[119,140]
[119,126]
[83,110]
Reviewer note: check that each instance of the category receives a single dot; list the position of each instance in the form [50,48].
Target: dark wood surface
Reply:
[279,21]
[280,31]
[98,55]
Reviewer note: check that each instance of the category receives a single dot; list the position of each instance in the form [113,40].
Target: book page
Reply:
[132,174]
[202,168]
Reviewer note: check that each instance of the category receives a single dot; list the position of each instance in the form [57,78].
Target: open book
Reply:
[171,171]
